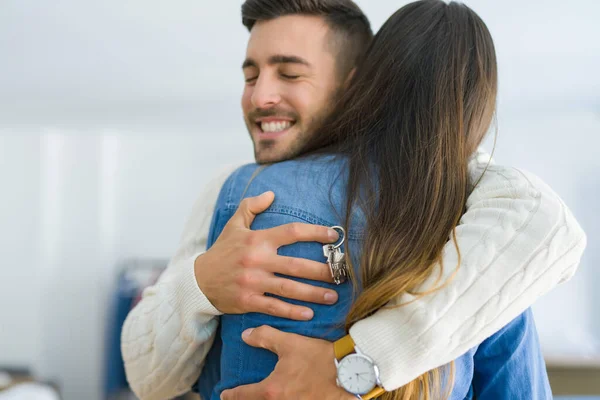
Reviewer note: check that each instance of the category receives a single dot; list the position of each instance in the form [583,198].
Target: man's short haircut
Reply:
[350,29]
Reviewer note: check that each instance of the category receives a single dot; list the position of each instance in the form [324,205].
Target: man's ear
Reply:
[349,78]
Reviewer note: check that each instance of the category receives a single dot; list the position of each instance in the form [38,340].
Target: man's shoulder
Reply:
[235,183]
[309,187]
[224,173]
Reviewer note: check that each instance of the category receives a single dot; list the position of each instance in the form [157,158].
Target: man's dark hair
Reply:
[350,29]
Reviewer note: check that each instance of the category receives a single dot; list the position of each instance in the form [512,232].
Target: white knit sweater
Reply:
[517,241]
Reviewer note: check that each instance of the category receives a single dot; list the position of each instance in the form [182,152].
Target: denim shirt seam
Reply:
[300,214]
[231,186]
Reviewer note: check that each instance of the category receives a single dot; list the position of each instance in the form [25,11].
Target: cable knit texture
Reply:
[517,241]
[166,337]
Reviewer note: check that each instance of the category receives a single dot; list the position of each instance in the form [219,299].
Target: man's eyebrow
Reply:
[248,62]
[283,59]
[277,59]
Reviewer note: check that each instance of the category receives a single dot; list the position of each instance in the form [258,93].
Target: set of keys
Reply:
[336,259]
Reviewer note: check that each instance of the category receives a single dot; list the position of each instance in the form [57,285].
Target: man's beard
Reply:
[263,150]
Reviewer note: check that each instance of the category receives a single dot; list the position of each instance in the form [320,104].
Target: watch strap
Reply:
[378,391]
[343,347]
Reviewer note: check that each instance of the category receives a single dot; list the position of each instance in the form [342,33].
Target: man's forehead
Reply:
[297,35]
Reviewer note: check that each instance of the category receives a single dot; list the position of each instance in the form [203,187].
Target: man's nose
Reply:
[265,93]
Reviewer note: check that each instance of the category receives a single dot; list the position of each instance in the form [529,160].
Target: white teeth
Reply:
[275,126]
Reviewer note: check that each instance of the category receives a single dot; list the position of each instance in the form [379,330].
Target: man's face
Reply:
[290,84]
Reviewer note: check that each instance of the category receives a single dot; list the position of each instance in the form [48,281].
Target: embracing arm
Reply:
[517,241]
[166,337]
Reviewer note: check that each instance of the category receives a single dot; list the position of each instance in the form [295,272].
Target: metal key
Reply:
[336,259]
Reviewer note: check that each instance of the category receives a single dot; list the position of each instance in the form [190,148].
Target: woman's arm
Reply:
[517,241]
[166,337]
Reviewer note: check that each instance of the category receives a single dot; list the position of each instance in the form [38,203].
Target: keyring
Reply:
[342,237]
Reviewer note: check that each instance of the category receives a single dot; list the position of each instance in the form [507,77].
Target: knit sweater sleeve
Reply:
[517,241]
[167,336]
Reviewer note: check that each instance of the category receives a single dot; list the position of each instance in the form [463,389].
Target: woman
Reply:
[391,168]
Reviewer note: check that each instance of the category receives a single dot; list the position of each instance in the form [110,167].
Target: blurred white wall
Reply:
[114,114]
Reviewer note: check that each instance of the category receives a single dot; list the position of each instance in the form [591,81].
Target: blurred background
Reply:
[115,114]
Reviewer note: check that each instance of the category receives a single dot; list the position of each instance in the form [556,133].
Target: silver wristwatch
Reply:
[357,374]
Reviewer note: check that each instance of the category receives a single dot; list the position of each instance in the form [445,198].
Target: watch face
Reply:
[357,374]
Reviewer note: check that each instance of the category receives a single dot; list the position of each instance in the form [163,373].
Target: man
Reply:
[515,230]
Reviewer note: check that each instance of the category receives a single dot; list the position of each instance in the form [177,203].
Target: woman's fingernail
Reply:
[246,333]
[330,297]
[307,314]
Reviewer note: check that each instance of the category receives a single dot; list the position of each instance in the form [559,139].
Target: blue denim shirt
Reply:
[508,365]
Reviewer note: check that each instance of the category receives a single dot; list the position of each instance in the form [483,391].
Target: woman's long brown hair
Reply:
[417,107]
